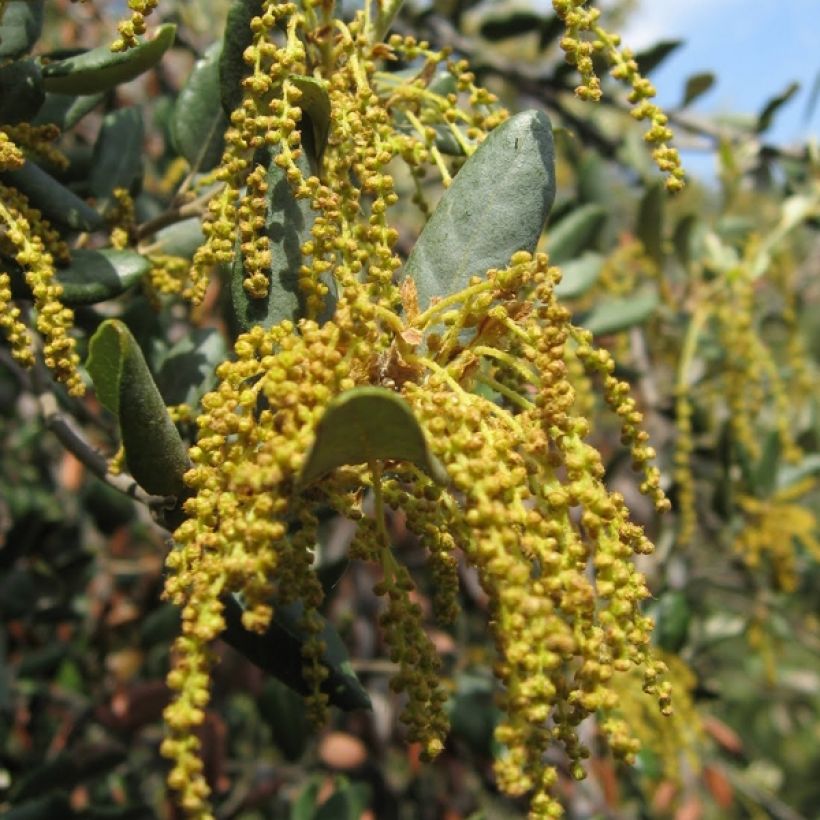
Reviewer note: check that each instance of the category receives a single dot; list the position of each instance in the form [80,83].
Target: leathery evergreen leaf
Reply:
[154,451]
[579,275]
[237,37]
[767,115]
[187,371]
[615,315]
[66,110]
[20,28]
[696,86]
[367,424]
[315,103]
[496,205]
[117,161]
[96,275]
[575,233]
[198,122]
[100,69]
[279,652]
[57,203]
[288,222]
[21,91]
[179,239]
[650,221]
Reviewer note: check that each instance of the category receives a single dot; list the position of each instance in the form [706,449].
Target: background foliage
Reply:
[709,303]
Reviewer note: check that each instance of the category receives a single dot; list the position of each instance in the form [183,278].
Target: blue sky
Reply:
[754,47]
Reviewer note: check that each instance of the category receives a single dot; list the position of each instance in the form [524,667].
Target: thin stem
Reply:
[387,13]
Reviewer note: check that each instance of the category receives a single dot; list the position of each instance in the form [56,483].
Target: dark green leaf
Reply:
[575,233]
[100,69]
[186,372]
[154,452]
[767,114]
[764,475]
[652,57]
[304,807]
[279,652]
[512,24]
[346,803]
[579,275]
[696,86]
[41,808]
[473,713]
[117,161]
[496,205]
[198,123]
[688,239]
[672,615]
[179,239]
[95,276]
[368,424]
[315,103]
[66,110]
[237,37]
[615,315]
[69,769]
[650,221]
[21,91]
[57,203]
[284,712]
[21,26]
[288,222]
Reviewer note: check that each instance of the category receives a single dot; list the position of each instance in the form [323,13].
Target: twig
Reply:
[176,213]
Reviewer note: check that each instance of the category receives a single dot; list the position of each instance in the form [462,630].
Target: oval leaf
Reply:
[94,276]
[66,110]
[154,451]
[615,315]
[21,91]
[237,37]
[696,86]
[100,69]
[288,222]
[187,371]
[279,652]
[179,239]
[496,205]
[575,233]
[315,103]
[57,203]
[198,123]
[579,276]
[20,27]
[365,424]
[117,160]
[650,221]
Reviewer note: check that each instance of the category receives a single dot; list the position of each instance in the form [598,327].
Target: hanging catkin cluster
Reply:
[525,500]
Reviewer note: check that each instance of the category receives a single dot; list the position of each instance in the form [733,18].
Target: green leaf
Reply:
[579,275]
[95,276]
[515,23]
[41,808]
[198,123]
[346,803]
[575,233]
[284,712]
[696,86]
[652,57]
[496,205]
[21,91]
[187,371]
[154,452]
[767,114]
[66,110]
[789,474]
[279,652]
[117,160]
[57,203]
[366,424]
[650,221]
[764,474]
[179,239]
[20,27]
[100,69]
[615,315]
[237,37]
[672,615]
[288,222]
[315,103]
